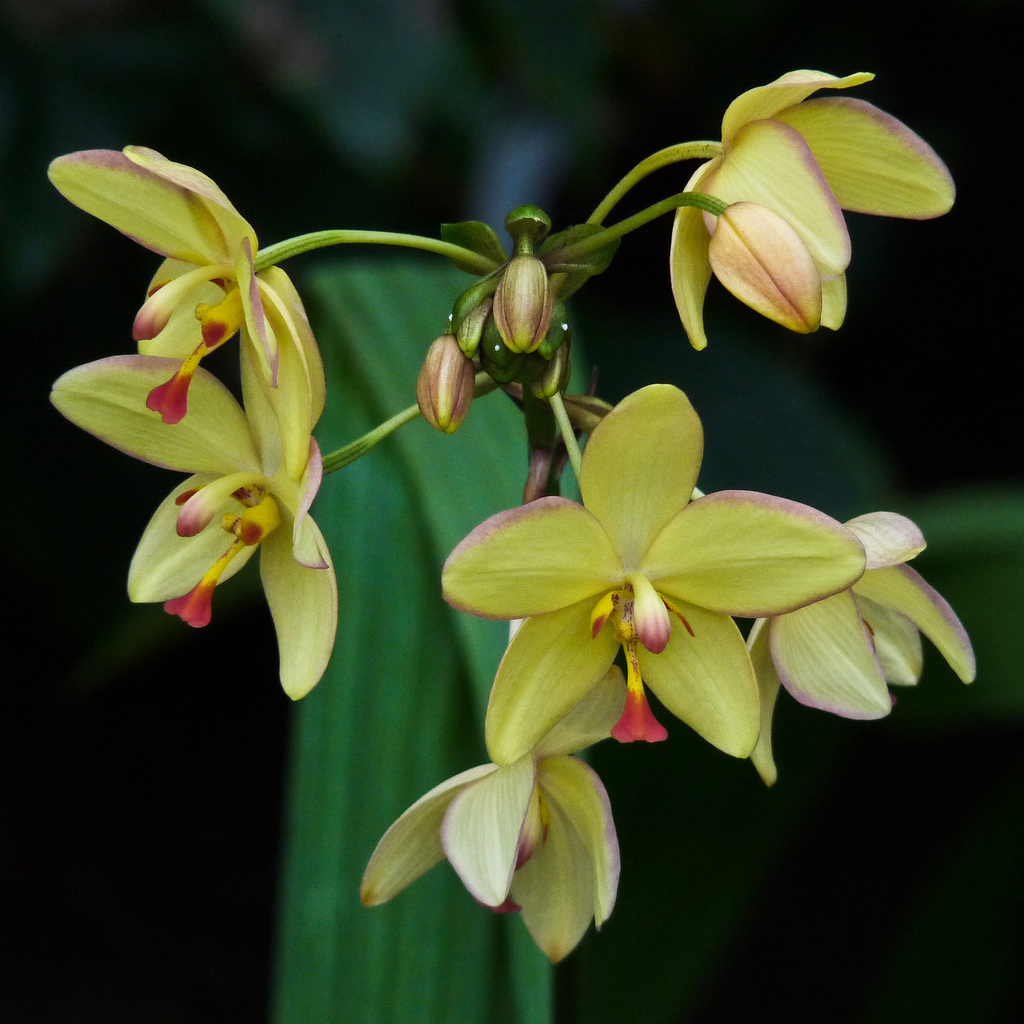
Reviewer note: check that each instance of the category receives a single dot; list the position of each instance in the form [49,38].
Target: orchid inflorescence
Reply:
[647,569]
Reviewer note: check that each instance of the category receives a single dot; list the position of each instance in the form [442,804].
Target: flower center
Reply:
[641,617]
[260,517]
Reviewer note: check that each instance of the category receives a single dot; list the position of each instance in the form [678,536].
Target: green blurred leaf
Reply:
[401,705]
[476,236]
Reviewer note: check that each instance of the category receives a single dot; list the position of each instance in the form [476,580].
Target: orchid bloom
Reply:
[838,654]
[642,567]
[206,289]
[807,161]
[534,836]
[239,497]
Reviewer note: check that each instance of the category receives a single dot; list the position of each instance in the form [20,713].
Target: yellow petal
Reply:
[899,587]
[304,605]
[833,302]
[640,467]
[767,690]
[765,264]
[873,163]
[897,642]
[555,888]
[768,100]
[688,263]
[481,829]
[412,846]
[233,226]
[166,565]
[824,658]
[575,788]
[769,164]
[590,721]
[550,666]
[750,554]
[108,398]
[533,559]
[149,209]
[706,680]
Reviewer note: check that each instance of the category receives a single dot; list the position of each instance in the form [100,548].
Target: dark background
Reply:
[143,764]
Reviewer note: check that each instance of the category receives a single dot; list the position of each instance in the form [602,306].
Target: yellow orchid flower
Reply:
[640,566]
[239,497]
[206,290]
[807,161]
[534,836]
[838,654]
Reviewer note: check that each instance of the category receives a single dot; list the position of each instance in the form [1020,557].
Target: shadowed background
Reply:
[144,764]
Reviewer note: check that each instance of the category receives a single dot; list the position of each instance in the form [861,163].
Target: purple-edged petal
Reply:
[897,642]
[575,788]
[768,100]
[688,260]
[166,565]
[265,341]
[901,588]
[533,559]
[765,264]
[481,829]
[572,878]
[304,606]
[769,164]
[412,846]
[147,208]
[824,658]
[706,680]
[590,721]
[888,538]
[108,398]
[767,690]
[306,539]
[873,163]
[550,666]
[750,554]
[640,467]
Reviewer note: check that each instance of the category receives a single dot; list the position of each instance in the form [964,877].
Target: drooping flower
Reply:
[534,836]
[641,567]
[839,654]
[806,160]
[240,497]
[206,290]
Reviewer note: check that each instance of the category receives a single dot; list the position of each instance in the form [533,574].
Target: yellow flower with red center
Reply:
[207,288]
[639,566]
[240,497]
[806,160]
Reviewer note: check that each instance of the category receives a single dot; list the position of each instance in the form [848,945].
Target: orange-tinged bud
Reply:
[523,304]
[762,260]
[444,388]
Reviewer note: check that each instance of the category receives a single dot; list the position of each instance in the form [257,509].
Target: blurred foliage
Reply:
[879,880]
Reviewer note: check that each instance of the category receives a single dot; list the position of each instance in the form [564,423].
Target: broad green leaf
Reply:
[401,706]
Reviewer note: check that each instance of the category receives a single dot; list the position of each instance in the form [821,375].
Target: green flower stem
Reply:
[597,241]
[568,434]
[356,449]
[663,158]
[280,251]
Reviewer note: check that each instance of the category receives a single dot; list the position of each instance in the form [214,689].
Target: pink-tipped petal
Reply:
[888,538]
[650,616]
[762,757]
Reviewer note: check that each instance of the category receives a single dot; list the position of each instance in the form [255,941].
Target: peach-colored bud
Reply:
[444,388]
[761,259]
[523,304]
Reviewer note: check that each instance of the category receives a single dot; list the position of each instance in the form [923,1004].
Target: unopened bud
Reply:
[586,411]
[471,328]
[762,260]
[444,388]
[555,377]
[523,304]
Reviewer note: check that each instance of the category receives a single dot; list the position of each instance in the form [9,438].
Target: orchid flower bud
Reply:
[444,388]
